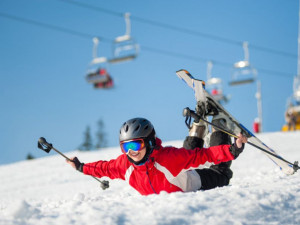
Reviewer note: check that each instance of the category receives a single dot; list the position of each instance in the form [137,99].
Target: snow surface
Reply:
[49,191]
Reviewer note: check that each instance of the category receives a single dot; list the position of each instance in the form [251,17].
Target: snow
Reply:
[49,191]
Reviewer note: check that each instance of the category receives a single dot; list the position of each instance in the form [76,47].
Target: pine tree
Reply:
[101,135]
[87,143]
[29,156]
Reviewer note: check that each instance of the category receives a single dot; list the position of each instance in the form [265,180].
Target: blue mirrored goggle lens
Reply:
[133,145]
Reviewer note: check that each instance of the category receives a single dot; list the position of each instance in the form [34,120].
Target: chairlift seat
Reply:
[214,81]
[100,75]
[122,38]
[99,60]
[125,51]
[243,75]
[242,64]
[244,81]
[122,59]
[96,79]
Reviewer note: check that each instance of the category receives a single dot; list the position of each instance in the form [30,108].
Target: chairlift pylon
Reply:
[296,89]
[292,113]
[243,72]
[97,70]
[124,47]
[214,85]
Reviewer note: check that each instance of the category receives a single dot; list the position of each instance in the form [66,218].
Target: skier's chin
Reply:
[137,156]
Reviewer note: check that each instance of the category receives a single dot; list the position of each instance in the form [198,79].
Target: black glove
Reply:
[235,151]
[78,164]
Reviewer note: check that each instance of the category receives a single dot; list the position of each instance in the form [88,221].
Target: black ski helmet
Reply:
[137,128]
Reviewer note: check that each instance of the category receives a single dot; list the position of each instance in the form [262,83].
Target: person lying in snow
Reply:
[151,168]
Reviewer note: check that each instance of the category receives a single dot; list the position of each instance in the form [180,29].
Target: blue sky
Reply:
[46,46]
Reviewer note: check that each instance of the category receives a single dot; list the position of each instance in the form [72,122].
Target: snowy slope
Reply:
[49,191]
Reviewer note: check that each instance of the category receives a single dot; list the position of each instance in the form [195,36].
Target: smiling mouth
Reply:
[134,154]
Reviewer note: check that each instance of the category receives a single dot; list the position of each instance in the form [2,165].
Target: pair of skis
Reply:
[207,105]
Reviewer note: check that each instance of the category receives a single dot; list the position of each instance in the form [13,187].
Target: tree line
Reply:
[89,143]
[99,140]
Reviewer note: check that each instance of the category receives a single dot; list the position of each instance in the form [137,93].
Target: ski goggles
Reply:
[134,145]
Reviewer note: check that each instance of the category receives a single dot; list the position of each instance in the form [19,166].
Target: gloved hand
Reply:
[237,148]
[75,163]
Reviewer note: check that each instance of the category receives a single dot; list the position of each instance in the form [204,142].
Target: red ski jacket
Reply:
[168,169]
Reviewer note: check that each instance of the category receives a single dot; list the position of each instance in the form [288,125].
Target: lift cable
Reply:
[45,25]
[146,48]
[181,29]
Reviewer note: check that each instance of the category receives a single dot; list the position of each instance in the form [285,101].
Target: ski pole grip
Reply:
[42,140]
[187,113]
[44,145]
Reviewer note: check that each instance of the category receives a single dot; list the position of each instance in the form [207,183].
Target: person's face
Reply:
[137,155]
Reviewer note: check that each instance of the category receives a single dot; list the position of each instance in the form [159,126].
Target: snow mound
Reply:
[49,191]
[21,210]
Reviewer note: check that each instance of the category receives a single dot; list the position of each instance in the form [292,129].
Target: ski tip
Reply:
[179,73]
[182,70]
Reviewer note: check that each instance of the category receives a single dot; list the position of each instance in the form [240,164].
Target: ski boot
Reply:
[196,134]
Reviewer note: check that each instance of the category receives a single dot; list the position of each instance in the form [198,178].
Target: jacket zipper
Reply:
[150,180]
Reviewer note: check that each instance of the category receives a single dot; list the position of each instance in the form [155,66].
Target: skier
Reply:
[108,83]
[291,120]
[151,168]
[101,79]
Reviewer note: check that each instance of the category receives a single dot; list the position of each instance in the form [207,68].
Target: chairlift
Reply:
[243,72]
[100,79]
[292,116]
[105,84]
[214,85]
[296,89]
[97,73]
[124,47]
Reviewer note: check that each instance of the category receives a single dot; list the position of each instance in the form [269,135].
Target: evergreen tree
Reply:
[87,142]
[29,156]
[101,135]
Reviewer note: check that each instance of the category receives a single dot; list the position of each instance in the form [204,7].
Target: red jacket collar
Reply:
[151,159]
[158,143]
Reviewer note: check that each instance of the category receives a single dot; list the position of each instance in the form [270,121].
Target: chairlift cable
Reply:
[92,7]
[146,48]
[181,29]
[53,27]
[198,59]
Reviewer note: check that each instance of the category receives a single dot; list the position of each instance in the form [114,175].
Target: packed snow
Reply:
[49,191]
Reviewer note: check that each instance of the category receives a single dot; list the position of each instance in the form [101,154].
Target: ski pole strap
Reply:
[188,120]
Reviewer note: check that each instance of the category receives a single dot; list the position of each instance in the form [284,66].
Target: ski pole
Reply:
[45,146]
[190,113]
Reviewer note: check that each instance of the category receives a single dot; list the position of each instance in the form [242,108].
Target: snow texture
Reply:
[49,191]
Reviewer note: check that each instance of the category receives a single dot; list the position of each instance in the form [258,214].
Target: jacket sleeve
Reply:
[177,160]
[115,168]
